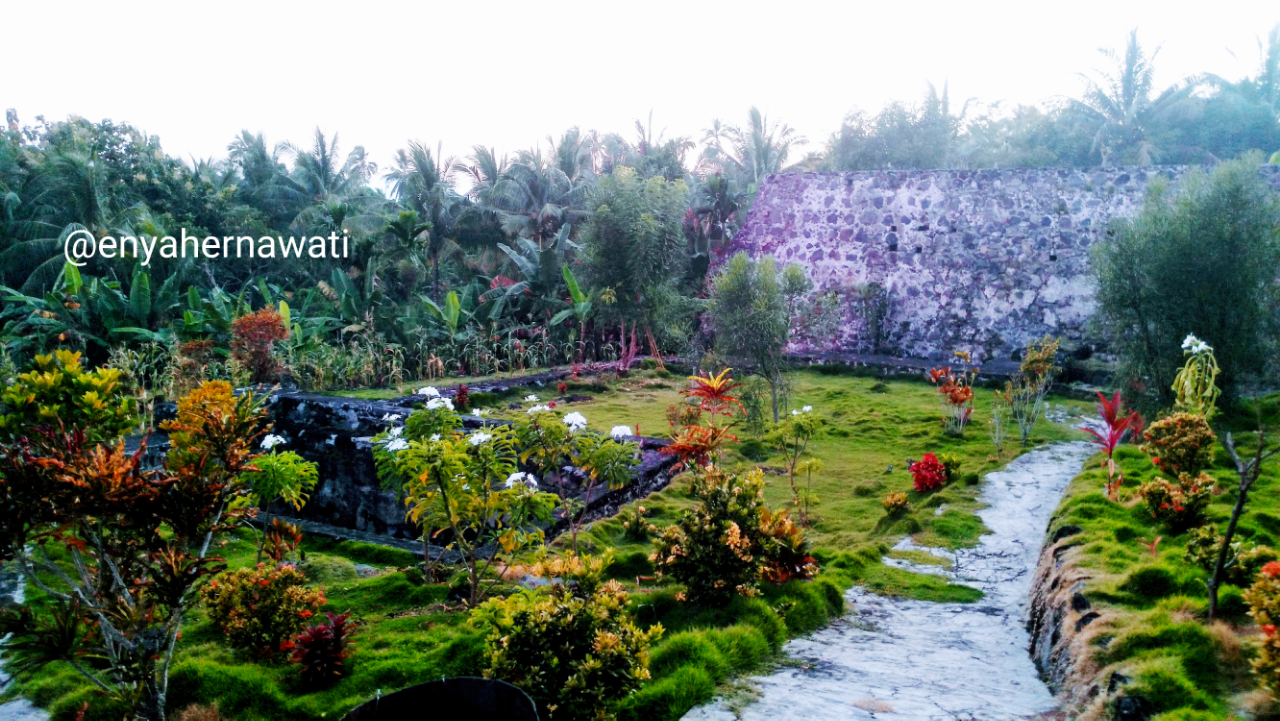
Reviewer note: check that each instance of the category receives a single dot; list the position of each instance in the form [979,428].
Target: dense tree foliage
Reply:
[1201,260]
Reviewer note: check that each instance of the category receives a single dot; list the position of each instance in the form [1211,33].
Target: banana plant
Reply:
[580,307]
[211,317]
[357,305]
[450,313]
[540,268]
[69,315]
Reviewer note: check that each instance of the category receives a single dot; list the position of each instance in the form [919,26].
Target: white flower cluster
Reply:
[1195,345]
[394,441]
[429,391]
[271,441]
[537,409]
[390,417]
[482,412]
[619,431]
[525,479]
[479,437]
[439,402]
[576,421]
[531,398]
[806,409]
[435,437]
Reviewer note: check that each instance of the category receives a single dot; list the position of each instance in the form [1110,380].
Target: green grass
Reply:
[411,632]
[1153,627]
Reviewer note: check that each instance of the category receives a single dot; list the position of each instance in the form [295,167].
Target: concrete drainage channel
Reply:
[11,591]
[899,658]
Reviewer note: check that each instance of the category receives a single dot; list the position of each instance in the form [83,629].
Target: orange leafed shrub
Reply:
[261,609]
[1264,606]
[253,341]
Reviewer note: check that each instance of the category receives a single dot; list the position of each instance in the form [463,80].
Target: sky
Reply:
[508,74]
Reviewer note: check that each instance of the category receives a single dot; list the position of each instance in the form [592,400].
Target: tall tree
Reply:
[424,183]
[1121,103]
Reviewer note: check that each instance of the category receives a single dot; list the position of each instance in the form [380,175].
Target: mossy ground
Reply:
[411,632]
[1153,626]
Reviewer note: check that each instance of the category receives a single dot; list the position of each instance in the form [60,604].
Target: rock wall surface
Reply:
[977,259]
[335,432]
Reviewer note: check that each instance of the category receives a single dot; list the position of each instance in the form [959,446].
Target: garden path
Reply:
[894,658]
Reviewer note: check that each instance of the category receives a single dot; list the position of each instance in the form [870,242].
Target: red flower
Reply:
[1271,570]
[1269,629]
[305,613]
[928,473]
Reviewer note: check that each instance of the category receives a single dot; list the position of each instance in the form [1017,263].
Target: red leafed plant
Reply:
[957,393]
[462,397]
[321,649]
[713,394]
[1118,426]
[282,539]
[928,473]
[253,340]
[696,444]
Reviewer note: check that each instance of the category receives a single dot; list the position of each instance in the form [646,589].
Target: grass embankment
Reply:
[1152,626]
[411,633]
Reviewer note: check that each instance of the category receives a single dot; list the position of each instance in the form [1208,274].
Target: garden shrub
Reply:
[320,650]
[59,392]
[1179,505]
[928,474]
[253,339]
[1244,561]
[1180,444]
[1264,606]
[896,504]
[951,465]
[635,525]
[727,543]
[575,651]
[1184,263]
[261,609]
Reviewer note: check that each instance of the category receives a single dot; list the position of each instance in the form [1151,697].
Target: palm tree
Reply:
[754,151]
[535,197]
[422,183]
[317,174]
[485,171]
[72,185]
[1265,88]
[1120,100]
[716,200]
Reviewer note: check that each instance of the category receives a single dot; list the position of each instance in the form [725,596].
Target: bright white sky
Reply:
[507,74]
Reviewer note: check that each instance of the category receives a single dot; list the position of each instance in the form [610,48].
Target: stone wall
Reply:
[335,432]
[983,260]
